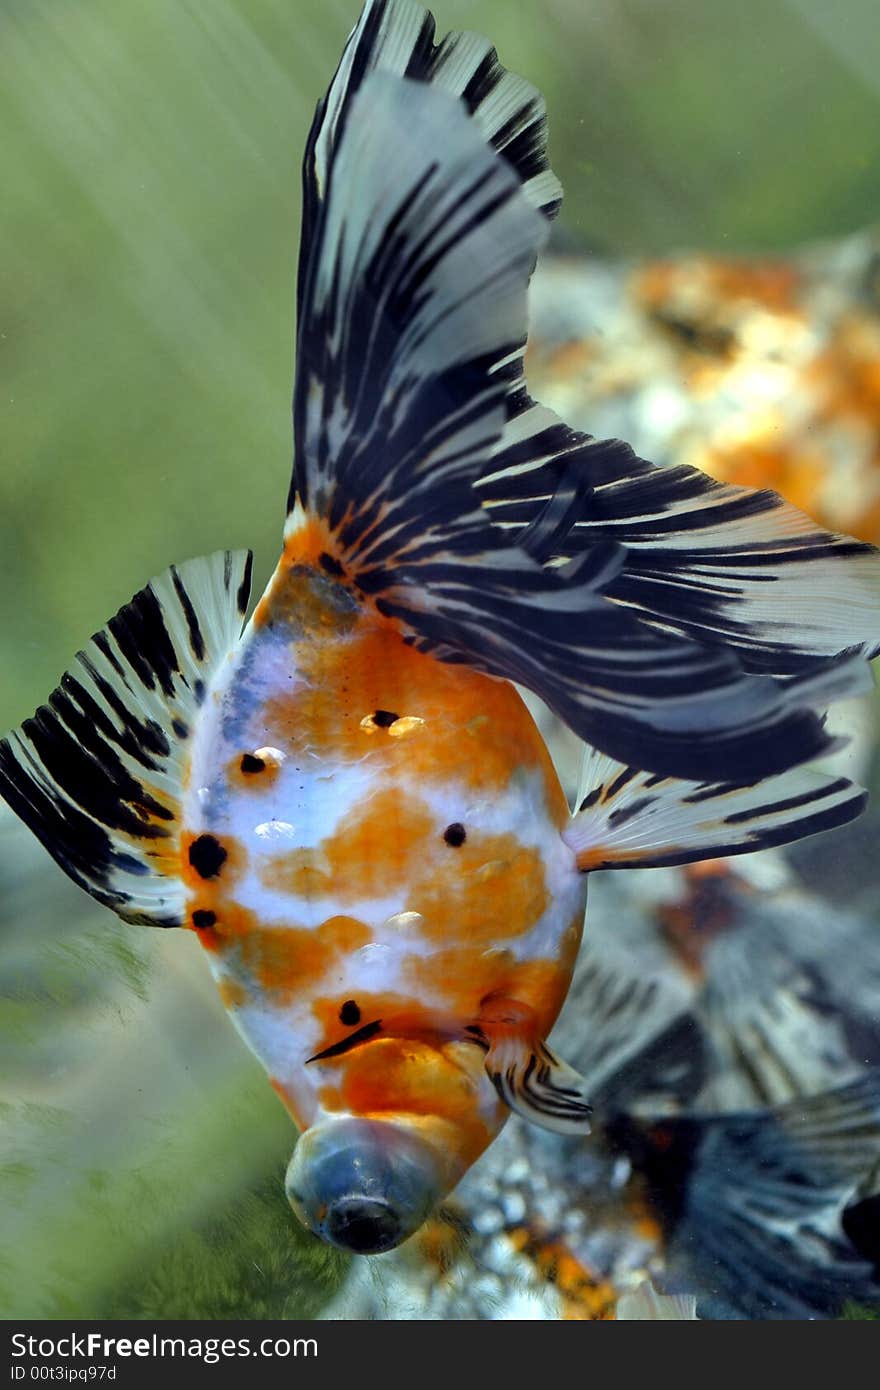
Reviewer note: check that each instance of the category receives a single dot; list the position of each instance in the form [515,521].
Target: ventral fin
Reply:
[527,1075]
[628,819]
[97,773]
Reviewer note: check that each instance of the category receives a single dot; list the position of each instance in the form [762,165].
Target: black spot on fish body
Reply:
[455,834]
[384,718]
[207,856]
[181,729]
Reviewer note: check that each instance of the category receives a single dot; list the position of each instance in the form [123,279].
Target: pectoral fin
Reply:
[528,1077]
[98,772]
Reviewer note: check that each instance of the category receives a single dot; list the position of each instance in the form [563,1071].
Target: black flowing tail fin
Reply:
[440,494]
[757,1204]
[724,565]
[97,774]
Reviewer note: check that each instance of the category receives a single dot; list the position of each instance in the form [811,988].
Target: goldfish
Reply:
[344,795]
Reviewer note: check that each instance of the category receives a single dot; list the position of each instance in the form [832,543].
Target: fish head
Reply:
[366,1177]
[363,1185]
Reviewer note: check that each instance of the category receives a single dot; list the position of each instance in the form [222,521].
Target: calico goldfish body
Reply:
[346,798]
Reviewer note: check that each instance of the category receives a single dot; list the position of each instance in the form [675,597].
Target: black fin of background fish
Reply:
[720,998]
[788,1003]
[538,1086]
[419,240]
[753,1202]
[643,1048]
[861,1218]
[97,772]
[627,819]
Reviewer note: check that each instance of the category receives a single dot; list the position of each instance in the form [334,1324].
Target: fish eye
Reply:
[250,763]
[203,917]
[349,1014]
[455,834]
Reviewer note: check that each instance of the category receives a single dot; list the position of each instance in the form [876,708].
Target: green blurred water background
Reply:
[150,160]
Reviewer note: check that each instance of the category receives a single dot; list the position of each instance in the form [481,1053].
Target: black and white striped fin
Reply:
[788,1001]
[628,819]
[643,1049]
[538,1086]
[754,1202]
[397,37]
[97,773]
[717,563]
[412,324]
[415,291]
[439,226]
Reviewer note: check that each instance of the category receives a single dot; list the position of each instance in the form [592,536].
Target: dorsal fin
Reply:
[97,773]
[397,37]
[421,230]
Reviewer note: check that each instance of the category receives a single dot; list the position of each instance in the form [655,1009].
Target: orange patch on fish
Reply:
[232,993]
[231,922]
[461,977]
[401,1076]
[490,889]
[289,961]
[255,770]
[374,848]
[370,1006]
[452,723]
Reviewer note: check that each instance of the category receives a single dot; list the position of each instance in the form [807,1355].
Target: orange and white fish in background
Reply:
[348,801]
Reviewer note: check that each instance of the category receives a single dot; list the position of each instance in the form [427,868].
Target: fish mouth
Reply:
[364,1225]
[362,1185]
